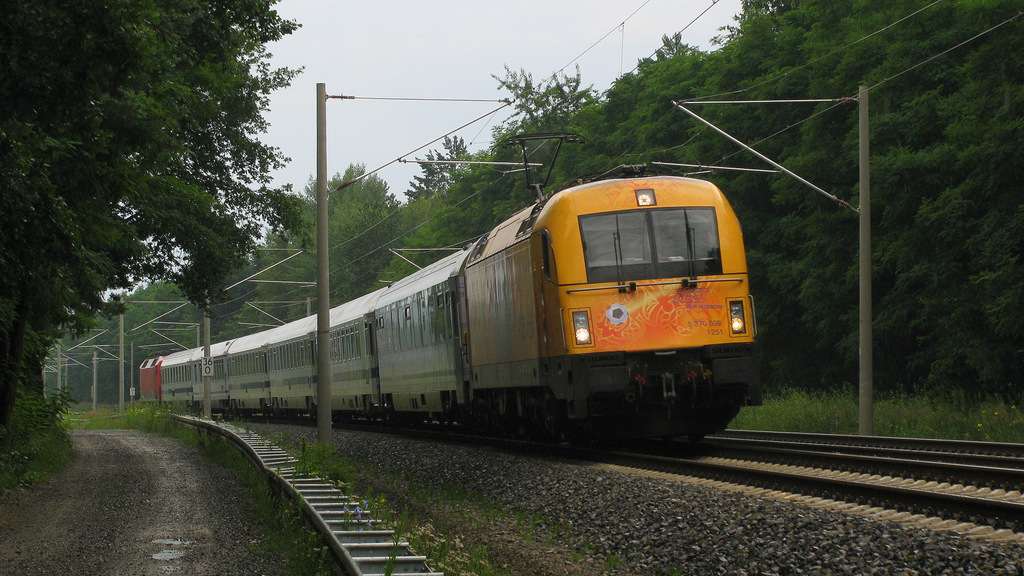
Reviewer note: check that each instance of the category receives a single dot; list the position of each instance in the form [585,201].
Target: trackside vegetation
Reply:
[40,445]
[948,416]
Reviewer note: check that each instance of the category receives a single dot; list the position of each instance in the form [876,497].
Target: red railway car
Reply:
[149,380]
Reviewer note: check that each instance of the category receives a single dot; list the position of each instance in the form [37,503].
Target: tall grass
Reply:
[951,416]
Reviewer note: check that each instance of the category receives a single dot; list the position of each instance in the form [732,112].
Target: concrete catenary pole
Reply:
[323,288]
[207,367]
[120,362]
[95,362]
[867,412]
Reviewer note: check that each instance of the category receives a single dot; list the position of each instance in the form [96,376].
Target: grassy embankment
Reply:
[949,417]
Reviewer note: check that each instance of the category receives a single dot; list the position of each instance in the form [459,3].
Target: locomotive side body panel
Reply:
[502,310]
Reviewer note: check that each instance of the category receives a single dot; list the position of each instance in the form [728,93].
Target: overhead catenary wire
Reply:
[407,99]
[841,101]
[505,103]
[592,46]
[778,101]
[691,23]
[469,162]
[712,167]
[948,50]
[783,75]
[787,171]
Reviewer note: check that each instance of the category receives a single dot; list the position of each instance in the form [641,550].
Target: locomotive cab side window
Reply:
[548,257]
[649,244]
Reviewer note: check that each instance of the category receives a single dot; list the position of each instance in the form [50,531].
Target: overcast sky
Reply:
[449,49]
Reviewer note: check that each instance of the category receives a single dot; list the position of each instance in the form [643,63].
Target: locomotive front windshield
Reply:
[649,244]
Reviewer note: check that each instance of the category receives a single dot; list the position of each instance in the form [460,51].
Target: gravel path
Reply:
[133,504]
[638,525]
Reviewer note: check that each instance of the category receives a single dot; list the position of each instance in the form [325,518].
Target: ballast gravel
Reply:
[610,522]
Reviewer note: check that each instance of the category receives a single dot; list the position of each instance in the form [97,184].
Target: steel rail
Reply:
[981,469]
[964,501]
[924,444]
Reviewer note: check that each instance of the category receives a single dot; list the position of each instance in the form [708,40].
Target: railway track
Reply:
[964,484]
[971,487]
[942,461]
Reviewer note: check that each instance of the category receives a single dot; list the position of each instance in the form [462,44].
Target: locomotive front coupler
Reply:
[668,386]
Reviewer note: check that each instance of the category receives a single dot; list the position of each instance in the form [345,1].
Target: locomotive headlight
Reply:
[646,197]
[738,321]
[581,327]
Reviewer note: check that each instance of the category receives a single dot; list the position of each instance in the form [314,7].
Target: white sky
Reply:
[448,49]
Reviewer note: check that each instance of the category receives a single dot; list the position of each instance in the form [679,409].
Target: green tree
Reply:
[364,223]
[438,177]
[545,107]
[128,152]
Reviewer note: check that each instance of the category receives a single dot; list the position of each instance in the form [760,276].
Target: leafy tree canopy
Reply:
[128,152]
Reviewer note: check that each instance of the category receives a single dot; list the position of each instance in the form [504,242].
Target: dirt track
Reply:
[133,504]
